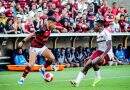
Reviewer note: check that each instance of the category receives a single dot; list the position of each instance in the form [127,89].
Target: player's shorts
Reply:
[38,51]
[97,54]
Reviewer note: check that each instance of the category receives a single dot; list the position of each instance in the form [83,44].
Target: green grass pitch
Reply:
[113,78]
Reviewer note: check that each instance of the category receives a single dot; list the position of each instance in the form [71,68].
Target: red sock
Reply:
[26,71]
[48,63]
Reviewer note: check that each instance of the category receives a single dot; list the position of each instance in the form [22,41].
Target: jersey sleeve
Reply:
[108,36]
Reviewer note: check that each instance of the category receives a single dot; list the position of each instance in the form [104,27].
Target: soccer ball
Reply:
[48,77]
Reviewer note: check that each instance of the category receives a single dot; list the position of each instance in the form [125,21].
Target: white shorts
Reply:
[38,51]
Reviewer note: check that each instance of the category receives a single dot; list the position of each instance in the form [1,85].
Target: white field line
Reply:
[1,84]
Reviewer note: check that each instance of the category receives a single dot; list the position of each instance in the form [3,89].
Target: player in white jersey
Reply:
[98,57]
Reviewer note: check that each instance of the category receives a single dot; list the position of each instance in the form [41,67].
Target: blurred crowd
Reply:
[73,57]
[26,16]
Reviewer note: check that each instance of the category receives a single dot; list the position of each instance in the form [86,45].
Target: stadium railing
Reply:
[66,34]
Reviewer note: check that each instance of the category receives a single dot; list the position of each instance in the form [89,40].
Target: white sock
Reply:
[97,74]
[110,63]
[116,63]
[22,78]
[79,77]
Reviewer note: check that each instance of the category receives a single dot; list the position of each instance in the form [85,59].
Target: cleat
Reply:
[54,67]
[20,82]
[96,81]
[74,83]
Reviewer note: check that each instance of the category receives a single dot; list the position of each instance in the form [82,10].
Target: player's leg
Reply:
[94,58]
[32,59]
[96,63]
[50,59]
[82,73]
[97,74]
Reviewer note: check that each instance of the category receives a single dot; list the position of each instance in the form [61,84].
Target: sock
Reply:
[42,70]
[110,63]
[97,74]
[48,63]
[116,63]
[22,78]
[80,77]
[26,71]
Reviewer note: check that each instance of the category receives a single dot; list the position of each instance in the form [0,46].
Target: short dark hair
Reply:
[114,3]
[51,19]
[122,15]
[50,13]
[100,22]
[119,45]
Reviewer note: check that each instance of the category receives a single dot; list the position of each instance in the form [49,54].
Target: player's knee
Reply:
[30,65]
[51,58]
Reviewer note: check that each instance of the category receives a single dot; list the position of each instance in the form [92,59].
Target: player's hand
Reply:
[20,44]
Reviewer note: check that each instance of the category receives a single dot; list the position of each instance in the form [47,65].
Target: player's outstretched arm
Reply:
[26,39]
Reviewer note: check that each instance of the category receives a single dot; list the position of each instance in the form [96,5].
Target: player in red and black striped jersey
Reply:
[38,41]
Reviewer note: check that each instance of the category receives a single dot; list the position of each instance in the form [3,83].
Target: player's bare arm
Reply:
[26,39]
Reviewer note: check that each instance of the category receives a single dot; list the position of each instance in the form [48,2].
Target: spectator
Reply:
[122,11]
[115,26]
[2,8]
[122,23]
[23,3]
[81,5]
[115,9]
[70,57]
[62,58]
[29,27]
[19,57]
[80,15]
[79,56]
[33,12]
[57,53]
[108,16]
[103,9]
[10,9]
[128,28]
[121,55]
[10,26]
[13,8]
[91,19]
[2,28]
[74,63]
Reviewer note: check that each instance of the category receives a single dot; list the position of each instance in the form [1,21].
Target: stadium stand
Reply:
[75,18]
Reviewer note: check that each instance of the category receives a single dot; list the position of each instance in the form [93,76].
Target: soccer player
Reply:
[38,41]
[98,57]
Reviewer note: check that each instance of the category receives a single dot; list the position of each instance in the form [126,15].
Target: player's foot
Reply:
[42,71]
[54,67]
[20,82]
[74,83]
[97,80]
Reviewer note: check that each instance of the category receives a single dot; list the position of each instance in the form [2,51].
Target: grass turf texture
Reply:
[113,78]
